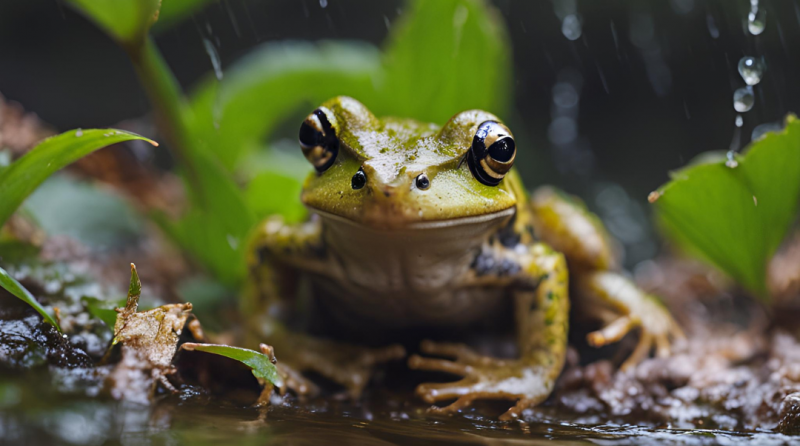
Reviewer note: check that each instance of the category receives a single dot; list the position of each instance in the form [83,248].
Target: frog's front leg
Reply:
[541,311]
[280,252]
[566,224]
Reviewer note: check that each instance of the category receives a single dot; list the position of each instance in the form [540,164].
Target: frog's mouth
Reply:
[393,223]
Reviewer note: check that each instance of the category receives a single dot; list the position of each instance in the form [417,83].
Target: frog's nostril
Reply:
[359,180]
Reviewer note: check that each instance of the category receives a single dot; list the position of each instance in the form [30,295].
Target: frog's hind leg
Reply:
[613,294]
[564,222]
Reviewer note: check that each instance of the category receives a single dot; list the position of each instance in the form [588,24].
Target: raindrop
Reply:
[682,6]
[214,56]
[712,26]
[732,163]
[763,129]
[751,70]
[739,120]
[757,18]
[565,95]
[323,4]
[562,130]
[571,27]
[743,99]
[79,133]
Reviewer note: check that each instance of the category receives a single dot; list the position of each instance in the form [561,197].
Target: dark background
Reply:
[656,78]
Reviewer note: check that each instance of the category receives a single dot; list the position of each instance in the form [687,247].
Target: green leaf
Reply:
[265,88]
[737,217]
[28,172]
[258,362]
[12,286]
[444,57]
[174,11]
[95,216]
[126,20]
[272,193]
[103,309]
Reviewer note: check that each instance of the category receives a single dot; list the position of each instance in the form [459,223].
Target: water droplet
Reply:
[743,99]
[79,133]
[571,27]
[751,70]
[323,3]
[739,120]
[732,163]
[763,129]
[756,20]
[233,242]
[214,56]
[712,26]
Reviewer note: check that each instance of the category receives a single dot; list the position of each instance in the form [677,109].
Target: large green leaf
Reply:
[12,286]
[444,57]
[258,362]
[262,90]
[126,20]
[27,173]
[737,216]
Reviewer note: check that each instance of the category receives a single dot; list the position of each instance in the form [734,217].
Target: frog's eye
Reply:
[492,153]
[318,140]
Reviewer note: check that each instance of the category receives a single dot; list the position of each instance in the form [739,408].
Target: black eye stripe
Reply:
[492,153]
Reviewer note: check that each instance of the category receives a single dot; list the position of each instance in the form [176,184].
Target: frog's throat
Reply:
[422,225]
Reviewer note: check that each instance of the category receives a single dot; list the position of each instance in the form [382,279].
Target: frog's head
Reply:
[393,173]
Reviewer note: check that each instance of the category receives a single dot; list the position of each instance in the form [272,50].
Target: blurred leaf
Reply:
[173,11]
[444,57]
[12,286]
[738,216]
[103,309]
[275,193]
[27,173]
[262,90]
[126,20]
[96,217]
[258,362]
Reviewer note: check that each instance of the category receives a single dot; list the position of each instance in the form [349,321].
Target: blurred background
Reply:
[608,96]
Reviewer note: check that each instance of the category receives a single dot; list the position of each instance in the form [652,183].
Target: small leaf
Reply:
[101,309]
[737,217]
[444,57]
[12,286]
[263,89]
[27,173]
[174,11]
[258,362]
[264,199]
[126,20]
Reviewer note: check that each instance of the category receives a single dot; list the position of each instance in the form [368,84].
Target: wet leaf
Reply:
[262,198]
[128,21]
[259,363]
[12,286]
[272,83]
[101,309]
[27,173]
[737,217]
[444,57]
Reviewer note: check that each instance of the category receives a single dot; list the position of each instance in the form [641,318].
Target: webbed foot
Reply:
[636,309]
[484,377]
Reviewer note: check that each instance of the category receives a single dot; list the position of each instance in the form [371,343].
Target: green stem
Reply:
[167,101]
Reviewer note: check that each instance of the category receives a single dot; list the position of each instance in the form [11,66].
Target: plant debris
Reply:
[148,341]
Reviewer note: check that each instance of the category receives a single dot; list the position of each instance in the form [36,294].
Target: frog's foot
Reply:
[639,310]
[347,365]
[484,377]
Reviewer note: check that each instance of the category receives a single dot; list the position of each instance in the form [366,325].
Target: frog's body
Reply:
[417,226]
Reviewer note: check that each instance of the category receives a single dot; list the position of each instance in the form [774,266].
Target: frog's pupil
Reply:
[423,182]
[359,180]
[502,150]
[309,137]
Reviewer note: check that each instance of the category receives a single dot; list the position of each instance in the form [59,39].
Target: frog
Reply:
[414,225]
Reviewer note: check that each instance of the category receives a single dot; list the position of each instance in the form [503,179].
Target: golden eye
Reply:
[318,140]
[492,153]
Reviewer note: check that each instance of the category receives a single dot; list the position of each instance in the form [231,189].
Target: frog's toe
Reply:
[612,332]
[296,382]
[433,392]
[417,362]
